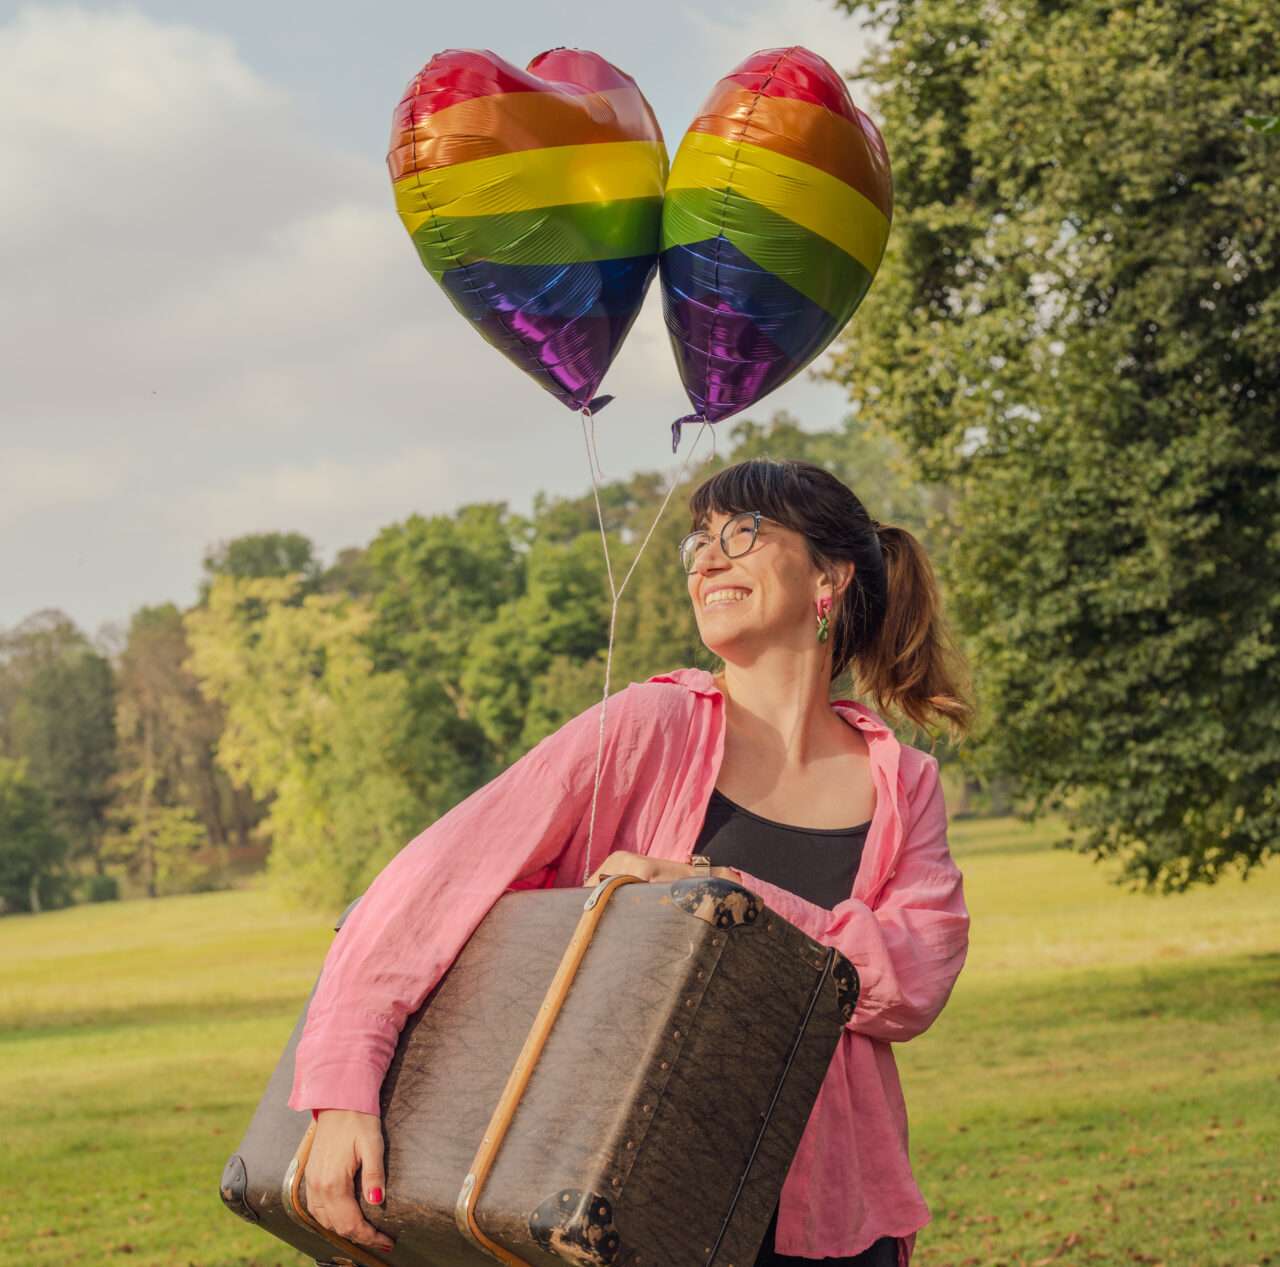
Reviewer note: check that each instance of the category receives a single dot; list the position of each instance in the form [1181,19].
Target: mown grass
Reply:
[1104,1086]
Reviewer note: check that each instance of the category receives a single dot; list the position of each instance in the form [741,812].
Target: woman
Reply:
[791,582]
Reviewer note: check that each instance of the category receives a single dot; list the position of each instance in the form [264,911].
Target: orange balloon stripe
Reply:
[510,122]
[803,131]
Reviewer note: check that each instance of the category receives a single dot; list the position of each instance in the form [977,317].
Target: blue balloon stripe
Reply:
[612,288]
[714,273]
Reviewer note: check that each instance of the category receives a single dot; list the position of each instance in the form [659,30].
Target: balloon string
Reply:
[592,456]
[615,592]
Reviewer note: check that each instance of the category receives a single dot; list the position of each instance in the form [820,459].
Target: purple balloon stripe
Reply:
[727,362]
[565,356]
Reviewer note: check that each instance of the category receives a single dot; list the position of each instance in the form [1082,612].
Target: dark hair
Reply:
[887,625]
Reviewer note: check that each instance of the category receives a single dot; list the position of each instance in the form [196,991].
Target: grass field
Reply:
[1104,1086]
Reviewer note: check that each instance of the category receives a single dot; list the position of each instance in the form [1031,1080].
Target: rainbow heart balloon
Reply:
[775,220]
[534,198]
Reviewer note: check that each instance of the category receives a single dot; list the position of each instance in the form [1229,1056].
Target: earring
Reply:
[823,605]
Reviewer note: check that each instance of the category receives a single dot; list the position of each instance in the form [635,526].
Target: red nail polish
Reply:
[375,1196]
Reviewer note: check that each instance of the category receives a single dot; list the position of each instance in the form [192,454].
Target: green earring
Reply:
[823,605]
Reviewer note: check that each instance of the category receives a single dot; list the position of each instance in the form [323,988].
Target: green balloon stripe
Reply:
[572,234]
[805,260]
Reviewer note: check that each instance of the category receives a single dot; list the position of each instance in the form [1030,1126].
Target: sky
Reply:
[212,321]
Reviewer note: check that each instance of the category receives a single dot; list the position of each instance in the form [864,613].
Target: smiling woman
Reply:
[810,803]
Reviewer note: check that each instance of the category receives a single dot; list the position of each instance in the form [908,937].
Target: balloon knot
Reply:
[596,405]
[679,422]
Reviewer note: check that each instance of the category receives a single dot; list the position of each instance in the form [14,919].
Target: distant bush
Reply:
[209,882]
[101,888]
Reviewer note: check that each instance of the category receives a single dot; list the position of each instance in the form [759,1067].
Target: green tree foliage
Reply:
[264,554]
[162,846]
[1076,327]
[436,582]
[172,796]
[533,662]
[31,849]
[311,726]
[57,714]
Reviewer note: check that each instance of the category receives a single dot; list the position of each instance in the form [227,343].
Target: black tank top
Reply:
[816,863]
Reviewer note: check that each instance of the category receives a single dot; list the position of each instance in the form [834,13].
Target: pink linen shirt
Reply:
[904,927]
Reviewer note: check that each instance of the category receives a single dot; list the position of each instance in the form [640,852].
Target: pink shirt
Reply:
[905,927]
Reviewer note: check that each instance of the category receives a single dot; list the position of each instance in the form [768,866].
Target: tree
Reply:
[436,584]
[31,850]
[311,726]
[41,639]
[58,700]
[1076,328]
[532,664]
[172,794]
[264,554]
[161,845]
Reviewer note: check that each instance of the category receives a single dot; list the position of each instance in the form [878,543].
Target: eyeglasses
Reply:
[737,536]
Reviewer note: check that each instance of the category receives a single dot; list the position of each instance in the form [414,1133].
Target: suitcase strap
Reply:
[482,1163]
[548,1010]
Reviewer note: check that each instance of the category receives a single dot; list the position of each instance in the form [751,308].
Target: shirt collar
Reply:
[700,682]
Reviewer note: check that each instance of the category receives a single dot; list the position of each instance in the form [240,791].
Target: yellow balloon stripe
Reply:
[802,193]
[553,176]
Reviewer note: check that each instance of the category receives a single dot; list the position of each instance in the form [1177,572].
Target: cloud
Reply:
[33,480]
[208,309]
[308,494]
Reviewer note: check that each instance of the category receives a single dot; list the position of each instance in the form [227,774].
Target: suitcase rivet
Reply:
[631,1143]
[617,1183]
[675,1033]
[700,974]
[688,1002]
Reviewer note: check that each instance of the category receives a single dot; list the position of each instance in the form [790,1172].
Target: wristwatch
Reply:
[701,865]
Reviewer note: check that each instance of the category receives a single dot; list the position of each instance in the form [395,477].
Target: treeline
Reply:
[318,716]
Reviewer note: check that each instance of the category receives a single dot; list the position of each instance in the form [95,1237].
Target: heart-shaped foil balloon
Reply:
[534,198]
[775,219]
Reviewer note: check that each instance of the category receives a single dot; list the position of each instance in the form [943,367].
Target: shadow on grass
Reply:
[1095,1000]
[86,1025]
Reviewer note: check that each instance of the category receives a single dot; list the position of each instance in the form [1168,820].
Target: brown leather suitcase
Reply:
[614,1077]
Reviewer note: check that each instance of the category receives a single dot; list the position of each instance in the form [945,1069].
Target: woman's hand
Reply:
[656,870]
[346,1141]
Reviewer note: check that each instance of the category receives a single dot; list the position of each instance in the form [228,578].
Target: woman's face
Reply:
[762,598]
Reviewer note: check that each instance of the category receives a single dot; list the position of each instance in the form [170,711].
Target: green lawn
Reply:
[1104,1086]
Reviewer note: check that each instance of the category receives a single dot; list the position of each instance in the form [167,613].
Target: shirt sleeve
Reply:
[910,949]
[407,929]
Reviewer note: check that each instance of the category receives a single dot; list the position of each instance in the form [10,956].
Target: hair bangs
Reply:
[772,488]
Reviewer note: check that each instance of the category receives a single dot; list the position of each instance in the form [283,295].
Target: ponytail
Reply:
[911,666]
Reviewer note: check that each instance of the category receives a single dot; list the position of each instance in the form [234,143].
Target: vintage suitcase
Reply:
[616,1076]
